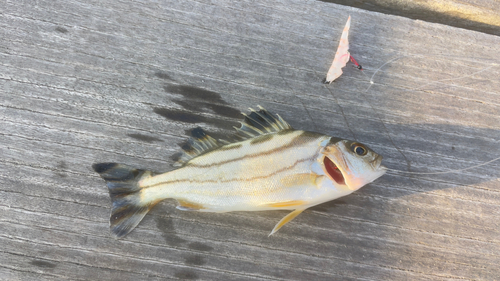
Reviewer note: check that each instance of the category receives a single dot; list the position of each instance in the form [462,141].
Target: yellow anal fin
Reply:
[287,204]
[189,206]
[286,219]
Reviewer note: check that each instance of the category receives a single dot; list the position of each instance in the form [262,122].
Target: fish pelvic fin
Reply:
[123,185]
[285,220]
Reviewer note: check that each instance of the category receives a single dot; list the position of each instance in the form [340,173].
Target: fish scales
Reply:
[251,175]
[271,167]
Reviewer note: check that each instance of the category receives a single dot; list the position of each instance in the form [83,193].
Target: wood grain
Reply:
[92,81]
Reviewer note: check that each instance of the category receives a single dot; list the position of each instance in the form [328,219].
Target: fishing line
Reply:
[414,89]
[358,66]
[429,83]
[371,82]
[449,79]
[303,105]
[380,119]
[340,107]
[378,69]
[417,88]
[445,172]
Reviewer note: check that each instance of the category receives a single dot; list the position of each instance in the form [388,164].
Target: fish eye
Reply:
[359,149]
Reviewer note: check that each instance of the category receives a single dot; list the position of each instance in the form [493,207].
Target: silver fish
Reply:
[271,167]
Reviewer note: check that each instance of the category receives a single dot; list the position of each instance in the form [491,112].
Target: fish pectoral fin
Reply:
[189,206]
[286,219]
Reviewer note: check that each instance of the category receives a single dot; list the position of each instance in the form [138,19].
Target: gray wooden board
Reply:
[92,81]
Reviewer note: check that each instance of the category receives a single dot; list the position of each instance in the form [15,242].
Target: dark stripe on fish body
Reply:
[334,140]
[298,140]
[285,132]
[229,147]
[237,179]
[311,134]
[261,139]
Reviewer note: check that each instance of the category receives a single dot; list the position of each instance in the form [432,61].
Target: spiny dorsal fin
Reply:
[259,123]
[198,144]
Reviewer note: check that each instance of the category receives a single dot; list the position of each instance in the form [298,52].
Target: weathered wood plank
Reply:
[114,81]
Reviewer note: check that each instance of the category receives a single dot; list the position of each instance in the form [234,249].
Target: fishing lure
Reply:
[269,166]
[342,56]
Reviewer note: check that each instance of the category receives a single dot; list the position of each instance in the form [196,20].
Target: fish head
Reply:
[350,163]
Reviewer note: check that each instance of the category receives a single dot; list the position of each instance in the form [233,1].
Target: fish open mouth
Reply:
[333,171]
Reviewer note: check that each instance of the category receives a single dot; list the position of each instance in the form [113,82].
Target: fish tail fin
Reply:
[123,184]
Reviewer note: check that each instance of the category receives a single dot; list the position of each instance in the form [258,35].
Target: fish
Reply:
[342,55]
[266,165]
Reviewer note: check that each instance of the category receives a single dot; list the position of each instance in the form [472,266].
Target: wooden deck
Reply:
[93,81]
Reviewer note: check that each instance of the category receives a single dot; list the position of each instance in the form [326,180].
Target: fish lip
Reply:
[377,163]
[378,167]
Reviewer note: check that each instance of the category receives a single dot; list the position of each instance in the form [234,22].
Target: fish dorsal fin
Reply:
[197,144]
[260,122]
